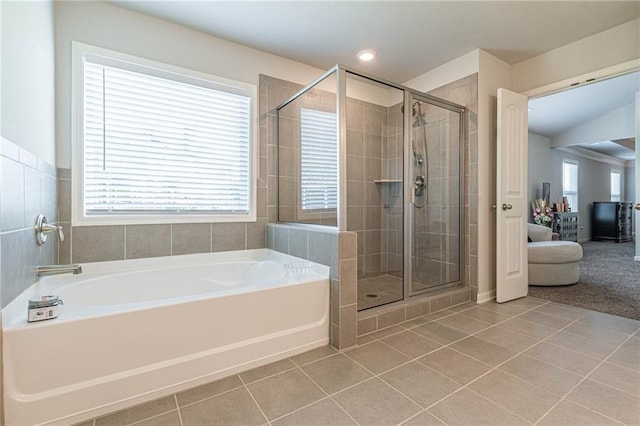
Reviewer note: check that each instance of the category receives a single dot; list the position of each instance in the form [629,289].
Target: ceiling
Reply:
[410,37]
[413,37]
[556,113]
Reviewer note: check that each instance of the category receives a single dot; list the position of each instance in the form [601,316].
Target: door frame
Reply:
[593,77]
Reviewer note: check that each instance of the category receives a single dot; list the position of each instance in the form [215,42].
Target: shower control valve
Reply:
[420,184]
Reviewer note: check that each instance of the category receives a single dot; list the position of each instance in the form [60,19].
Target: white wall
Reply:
[630,184]
[602,50]
[540,168]
[493,74]
[617,124]
[451,71]
[545,165]
[114,28]
[28,97]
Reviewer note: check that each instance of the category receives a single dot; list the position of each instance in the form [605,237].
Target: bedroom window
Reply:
[615,185]
[570,183]
[154,143]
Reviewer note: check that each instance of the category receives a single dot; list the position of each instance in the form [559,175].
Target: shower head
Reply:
[417,114]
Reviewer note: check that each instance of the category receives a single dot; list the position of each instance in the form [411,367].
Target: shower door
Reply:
[433,231]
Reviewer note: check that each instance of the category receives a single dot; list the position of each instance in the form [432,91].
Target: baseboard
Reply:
[636,258]
[486,296]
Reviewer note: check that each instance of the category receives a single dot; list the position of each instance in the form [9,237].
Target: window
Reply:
[570,183]
[159,144]
[615,185]
[319,160]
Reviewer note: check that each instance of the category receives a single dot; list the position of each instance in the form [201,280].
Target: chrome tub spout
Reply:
[44,270]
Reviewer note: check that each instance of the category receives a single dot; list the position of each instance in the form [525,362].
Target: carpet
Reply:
[609,281]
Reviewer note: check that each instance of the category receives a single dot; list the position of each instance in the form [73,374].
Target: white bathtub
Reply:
[130,331]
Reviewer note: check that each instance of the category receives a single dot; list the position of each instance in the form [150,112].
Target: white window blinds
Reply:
[319,160]
[156,145]
[615,186]
[570,184]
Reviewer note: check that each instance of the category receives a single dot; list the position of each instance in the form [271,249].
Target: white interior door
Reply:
[511,197]
[635,223]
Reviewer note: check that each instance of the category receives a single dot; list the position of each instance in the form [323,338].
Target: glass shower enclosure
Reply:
[361,154]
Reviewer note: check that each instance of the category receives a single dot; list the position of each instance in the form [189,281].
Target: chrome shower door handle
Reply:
[506,206]
[638,206]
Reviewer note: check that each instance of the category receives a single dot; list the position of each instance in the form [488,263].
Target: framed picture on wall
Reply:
[545,192]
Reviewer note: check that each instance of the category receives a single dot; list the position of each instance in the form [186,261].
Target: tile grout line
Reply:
[329,396]
[175,397]
[378,376]
[448,344]
[496,367]
[146,418]
[493,368]
[585,377]
[208,397]
[246,388]
[541,341]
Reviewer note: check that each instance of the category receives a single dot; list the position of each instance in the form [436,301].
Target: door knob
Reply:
[638,206]
[506,206]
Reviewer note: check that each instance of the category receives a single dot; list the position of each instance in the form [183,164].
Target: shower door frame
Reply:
[409,97]
[408,94]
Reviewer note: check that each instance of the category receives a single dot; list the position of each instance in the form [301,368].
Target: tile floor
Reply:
[528,361]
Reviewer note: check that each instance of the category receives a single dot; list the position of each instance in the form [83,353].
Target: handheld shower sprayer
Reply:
[417,155]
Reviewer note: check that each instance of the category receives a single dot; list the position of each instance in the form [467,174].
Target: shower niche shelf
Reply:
[389,192]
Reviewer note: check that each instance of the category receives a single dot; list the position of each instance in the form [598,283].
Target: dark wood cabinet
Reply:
[611,221]
[566,225]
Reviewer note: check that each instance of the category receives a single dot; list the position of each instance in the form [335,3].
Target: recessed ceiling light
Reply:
[366,55]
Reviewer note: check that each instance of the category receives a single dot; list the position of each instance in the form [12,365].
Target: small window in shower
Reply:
[318,161]
[308,156]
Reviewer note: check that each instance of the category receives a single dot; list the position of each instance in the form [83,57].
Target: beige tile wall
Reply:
[465,92]
[379,319]
[27,188]
[436,256]
[367,125]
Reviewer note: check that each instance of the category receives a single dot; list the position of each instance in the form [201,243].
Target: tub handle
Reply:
[43,228]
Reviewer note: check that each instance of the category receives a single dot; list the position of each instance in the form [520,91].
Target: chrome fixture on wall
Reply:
[44,270]
[421,159]
[43,228]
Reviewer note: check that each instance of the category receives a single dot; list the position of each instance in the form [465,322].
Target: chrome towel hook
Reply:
[43,228]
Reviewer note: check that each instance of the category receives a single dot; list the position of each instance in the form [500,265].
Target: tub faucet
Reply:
[44,270]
